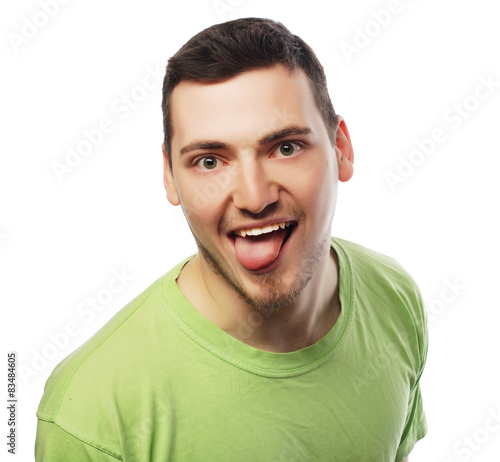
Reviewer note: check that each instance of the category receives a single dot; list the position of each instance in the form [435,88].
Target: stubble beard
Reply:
[271,284]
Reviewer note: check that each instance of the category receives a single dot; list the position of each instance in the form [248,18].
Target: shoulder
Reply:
[369,259]
[108,356]
[108,385]
[387,295]
[378,271]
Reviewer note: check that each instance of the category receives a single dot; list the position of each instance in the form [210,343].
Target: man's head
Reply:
[231,48]
[255,167]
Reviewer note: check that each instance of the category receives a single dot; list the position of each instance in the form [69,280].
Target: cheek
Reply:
[317,186]
[202,202]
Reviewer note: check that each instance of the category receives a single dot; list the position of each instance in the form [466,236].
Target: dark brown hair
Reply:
[231,48]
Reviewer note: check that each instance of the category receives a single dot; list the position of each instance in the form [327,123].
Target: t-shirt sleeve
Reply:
[53,444]
[416,423]
[416,426]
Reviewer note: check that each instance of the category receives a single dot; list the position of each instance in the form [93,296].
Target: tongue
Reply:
[256,252]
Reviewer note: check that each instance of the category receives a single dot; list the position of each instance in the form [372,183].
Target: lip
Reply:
[283,250]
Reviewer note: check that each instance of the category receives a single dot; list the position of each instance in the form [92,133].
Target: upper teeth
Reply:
[263,230]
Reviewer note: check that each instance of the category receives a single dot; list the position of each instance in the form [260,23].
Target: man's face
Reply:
[256,175]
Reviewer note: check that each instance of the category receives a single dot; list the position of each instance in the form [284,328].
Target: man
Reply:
[275,342]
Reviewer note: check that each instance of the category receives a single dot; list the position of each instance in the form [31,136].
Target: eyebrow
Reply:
[266,139]
[204,145]
[284,132]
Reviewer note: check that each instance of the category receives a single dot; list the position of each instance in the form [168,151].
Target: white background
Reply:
[61,240]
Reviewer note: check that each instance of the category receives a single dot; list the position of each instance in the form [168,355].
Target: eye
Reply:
[287,149]
[207,163]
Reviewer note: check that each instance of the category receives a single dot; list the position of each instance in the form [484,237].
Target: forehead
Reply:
[243,107]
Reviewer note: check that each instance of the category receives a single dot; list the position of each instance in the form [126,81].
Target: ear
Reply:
[344,151]
[168,180]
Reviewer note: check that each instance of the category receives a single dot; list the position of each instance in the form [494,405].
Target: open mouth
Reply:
[257,248]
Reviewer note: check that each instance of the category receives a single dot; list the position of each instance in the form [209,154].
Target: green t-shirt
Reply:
[160,382]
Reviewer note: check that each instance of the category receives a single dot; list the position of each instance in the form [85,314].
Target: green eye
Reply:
[288,149]
[209,163]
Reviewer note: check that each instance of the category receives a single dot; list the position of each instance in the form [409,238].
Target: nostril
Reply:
[255,198]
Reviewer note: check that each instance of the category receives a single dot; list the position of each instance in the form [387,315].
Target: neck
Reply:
[286,329]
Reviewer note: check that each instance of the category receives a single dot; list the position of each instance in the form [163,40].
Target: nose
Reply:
[253,188]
